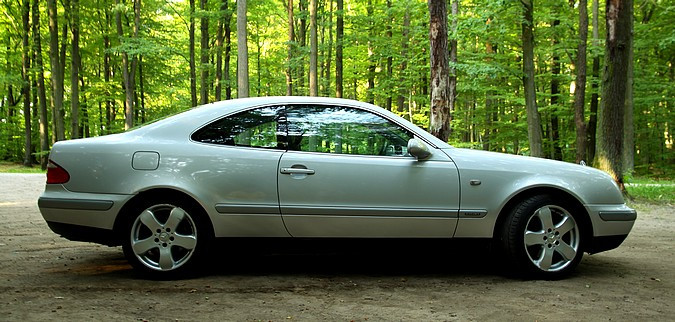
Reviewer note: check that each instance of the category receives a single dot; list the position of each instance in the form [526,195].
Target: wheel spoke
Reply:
[185,241]
[534,238]
[149,220]
[566,251]
[566,225]
[544,262]
[175,217]
[143,246]
[544,215]
[165,258]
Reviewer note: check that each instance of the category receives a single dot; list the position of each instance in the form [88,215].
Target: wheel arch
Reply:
[157,193]
[558,194]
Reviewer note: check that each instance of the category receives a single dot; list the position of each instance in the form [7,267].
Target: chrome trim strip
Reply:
[367,212]
[471,213]
[224,208]
[618,215]
[77,204]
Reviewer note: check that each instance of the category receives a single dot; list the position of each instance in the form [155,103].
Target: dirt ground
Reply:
[45,277]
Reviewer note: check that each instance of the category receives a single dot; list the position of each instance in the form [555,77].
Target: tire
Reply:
[542,238]
[166,237]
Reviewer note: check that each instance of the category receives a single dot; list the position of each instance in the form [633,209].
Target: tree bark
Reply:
[439,119]
[555,93]
[193,68]
[593,117]
[242,50]
[291,41]
[452,95]
[56,76]
[400,101]
[25,88]
[228,54]
[580,83]
[370,94]
[533,117]
[617,55]
[204,61]
[313,51]
[126,77]
[629,129]
[41,90]
[339,38]
[219,51]
[75,70]
[329,52]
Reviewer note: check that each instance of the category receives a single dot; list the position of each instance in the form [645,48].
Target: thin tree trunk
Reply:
[219,52]
[533,118]
[242,51]
[193,68]
[313,51]
[228,54]
[618,24]
[593,117]
[390,57]
[370,94]
[339,38]
[291,41]
[41,90]
[580,83]
[452,94]
[142,87]
[555,93]
[329,51]
[25,88]
[302,40]
[126,77]
[204,27]
[400,101]
[439,120]
[75,70]
[56,79]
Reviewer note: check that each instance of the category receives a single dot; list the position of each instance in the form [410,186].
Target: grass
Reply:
[11,167]
[651,189]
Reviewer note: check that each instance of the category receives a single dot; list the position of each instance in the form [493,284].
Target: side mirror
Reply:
[418,149]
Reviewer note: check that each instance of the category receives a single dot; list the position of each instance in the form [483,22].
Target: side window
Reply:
[254,128]
[343,130]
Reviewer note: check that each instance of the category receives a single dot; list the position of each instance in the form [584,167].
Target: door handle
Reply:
[296,171]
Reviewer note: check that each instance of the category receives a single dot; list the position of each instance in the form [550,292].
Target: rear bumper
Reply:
[80,216]
[611,220]
[84,233]
[604,243]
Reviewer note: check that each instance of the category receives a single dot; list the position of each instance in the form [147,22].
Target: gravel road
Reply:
[45,277]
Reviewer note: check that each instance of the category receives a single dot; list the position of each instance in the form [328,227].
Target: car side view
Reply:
[310,167]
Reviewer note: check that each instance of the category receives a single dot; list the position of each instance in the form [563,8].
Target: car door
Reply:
[347,173]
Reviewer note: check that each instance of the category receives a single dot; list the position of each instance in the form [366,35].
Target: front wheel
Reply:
[542,238]
[165,238]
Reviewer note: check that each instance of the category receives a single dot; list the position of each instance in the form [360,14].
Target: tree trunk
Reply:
[25,88]
[403,89]
[242,50]
[56,78]
[291,41]
[75,70]
[313,51]
[302,43]
[370,94]
[228,54]
[193,69]
[555,93]
[452,95]
[593,117]
[580,83]
[204,27]
[617,55]
[219,51]
[41,90]
[126,77]
[329,52]
[533,118]
[629,128]
[439,119]
[339,38]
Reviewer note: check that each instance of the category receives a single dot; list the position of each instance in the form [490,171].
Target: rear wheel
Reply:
[166,237]
[542,237]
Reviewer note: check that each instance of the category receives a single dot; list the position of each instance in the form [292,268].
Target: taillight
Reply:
[56,174]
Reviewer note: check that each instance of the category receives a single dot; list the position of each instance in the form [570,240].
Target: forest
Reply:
[529,77]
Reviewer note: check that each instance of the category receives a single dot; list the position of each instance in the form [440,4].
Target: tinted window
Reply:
[254,128]
[343,130]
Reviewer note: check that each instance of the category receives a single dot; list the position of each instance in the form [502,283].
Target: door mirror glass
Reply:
[418,149]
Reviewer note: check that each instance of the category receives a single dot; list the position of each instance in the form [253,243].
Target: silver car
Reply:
[314,167]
